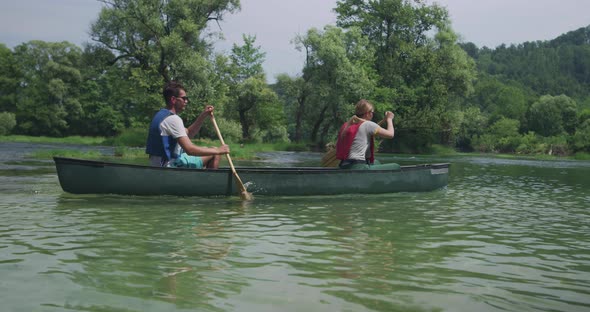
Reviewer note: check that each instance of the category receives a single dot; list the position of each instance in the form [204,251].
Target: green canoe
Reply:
[79,176]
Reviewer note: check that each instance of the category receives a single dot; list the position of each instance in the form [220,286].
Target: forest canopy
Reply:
[402,55]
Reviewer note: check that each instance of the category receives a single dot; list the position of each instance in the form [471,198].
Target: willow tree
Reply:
[396,28]
[419,64]
[553,115]
[162,40]
[10,77]
[47,99]
[252,102]
[337,73]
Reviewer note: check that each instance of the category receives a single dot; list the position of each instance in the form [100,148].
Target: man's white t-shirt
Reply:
[174,127]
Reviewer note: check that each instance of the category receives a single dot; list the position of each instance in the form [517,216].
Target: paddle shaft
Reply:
[244,192]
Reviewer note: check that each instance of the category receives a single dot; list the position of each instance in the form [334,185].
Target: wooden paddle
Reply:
[329,159]
[243,192]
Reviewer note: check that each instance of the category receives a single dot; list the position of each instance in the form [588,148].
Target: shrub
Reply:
[529,144]
[581,139]
[7,122]
[134,137]
[472,126]
[272,135]
[485,143]
[557,145]
[505,131]
[230,130]
[582,156]
[295,147]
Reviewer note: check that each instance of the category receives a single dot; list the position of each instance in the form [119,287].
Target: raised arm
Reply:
[390,131]
[195,127]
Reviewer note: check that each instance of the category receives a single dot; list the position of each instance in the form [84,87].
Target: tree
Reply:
[553,115]
[336,74]
[7,122]
[48,97]
[109,99]
[502,136]
[473,123]
[396,28]
[246,60]
[9,80]
[293,92]
[497,99]
[163,40]
[581,139]
[420,66]
[253,102]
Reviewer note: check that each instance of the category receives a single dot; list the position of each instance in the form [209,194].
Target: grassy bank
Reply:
[134,152]
[50,140]
[131,149]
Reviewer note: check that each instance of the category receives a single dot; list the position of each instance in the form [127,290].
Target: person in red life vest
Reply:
[355,147]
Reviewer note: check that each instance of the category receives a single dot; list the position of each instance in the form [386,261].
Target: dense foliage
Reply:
[402,55]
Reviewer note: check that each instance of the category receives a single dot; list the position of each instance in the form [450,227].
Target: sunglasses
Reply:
[185,98]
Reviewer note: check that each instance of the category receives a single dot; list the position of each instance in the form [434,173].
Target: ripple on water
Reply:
[500,237]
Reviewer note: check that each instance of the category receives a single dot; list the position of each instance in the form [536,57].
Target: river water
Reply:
[505,235]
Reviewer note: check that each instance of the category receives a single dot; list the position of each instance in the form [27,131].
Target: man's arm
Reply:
[194,150]
[195,127]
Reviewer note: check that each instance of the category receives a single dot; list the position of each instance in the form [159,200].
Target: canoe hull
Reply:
[78,176]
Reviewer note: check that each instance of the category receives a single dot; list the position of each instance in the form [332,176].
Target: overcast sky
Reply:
[276,22]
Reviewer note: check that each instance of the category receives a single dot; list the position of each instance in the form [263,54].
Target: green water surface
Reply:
[505,235]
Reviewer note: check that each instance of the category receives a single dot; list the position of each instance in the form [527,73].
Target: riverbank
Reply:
[238,151]
[135,151]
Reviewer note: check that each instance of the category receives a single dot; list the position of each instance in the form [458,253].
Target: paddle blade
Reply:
[245,195]
[329,159]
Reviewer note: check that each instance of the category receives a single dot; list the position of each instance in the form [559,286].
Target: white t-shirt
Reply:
[360,148]
[174,127]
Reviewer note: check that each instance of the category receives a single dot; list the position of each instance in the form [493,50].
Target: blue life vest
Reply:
[157,144]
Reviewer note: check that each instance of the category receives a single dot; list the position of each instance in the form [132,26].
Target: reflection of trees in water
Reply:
[349,247]
[167,248]
[381,252]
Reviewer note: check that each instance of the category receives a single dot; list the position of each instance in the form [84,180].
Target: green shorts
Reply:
[187,161]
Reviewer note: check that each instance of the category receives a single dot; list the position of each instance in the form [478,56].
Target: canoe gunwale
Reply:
[100,163]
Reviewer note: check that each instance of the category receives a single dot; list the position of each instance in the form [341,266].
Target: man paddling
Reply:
[168,142]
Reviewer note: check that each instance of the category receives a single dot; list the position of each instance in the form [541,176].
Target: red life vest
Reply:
[346,135]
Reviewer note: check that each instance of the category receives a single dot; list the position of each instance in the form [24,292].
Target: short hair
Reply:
[172,88]
[362,107]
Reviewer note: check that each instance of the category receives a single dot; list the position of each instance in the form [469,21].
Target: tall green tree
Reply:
[553,115]
[396,28]
[108,96]
[252,102]
[246,60]
[259,110]
[337,73]
[48,97]
[163,40]
[9,80]
[293,93]
[498,99]
[420,66]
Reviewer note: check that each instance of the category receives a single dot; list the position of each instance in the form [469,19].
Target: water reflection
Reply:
[197,251]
